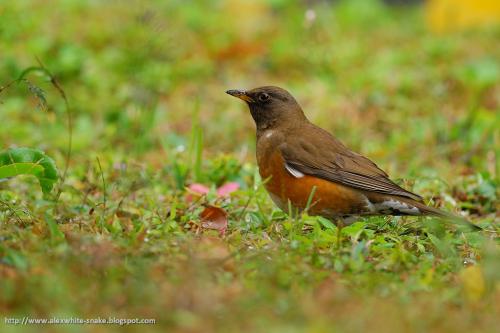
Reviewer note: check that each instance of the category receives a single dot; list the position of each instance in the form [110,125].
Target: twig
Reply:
[104,192]
[2,88]
[69,115]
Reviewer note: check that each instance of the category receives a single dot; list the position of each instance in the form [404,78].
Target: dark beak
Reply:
[241,94]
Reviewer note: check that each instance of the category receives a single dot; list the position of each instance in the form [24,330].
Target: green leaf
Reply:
[28,161]
[326,223]
[354,230]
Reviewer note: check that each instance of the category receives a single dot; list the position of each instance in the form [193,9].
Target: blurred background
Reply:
[390,78]
[414,85]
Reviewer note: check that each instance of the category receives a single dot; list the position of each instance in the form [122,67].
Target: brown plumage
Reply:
[302,162]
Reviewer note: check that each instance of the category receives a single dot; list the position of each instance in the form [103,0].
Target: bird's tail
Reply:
[426,210]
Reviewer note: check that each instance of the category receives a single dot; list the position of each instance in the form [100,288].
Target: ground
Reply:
[121,235]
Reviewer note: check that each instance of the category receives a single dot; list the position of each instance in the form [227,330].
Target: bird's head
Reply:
[270,106]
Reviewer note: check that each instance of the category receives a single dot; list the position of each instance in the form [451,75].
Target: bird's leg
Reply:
[340,225]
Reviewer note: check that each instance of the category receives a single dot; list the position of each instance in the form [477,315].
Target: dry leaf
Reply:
[214,218]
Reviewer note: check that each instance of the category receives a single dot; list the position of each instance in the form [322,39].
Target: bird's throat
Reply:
[263,120]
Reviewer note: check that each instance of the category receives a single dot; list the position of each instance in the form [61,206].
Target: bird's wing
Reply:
[323,156]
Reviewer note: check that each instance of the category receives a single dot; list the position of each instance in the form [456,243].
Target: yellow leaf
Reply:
[453,15]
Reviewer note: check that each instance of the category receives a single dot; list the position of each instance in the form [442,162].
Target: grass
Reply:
[145,85]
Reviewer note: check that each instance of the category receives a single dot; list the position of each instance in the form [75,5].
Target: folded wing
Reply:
[338,164]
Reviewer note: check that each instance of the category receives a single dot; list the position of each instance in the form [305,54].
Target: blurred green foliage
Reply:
[145,83]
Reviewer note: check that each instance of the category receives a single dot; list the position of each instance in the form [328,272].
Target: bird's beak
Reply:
[241,94]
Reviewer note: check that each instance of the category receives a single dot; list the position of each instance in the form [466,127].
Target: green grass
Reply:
[145,85]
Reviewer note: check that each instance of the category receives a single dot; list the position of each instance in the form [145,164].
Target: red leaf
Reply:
[214,218]
[227,189]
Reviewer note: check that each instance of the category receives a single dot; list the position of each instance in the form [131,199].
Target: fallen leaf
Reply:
[214,218]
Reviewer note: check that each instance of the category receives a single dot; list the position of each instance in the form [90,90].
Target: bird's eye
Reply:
[264,97]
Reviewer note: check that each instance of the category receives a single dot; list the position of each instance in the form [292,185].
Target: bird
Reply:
[304,167]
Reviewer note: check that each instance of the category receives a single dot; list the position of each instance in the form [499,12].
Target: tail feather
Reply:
[427,210]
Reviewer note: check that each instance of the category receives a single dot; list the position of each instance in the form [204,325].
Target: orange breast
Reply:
[329,199]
